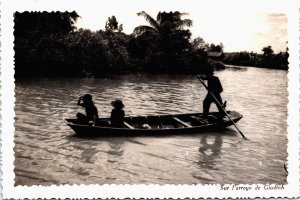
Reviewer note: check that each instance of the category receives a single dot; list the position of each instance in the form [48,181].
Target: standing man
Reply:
[214,87]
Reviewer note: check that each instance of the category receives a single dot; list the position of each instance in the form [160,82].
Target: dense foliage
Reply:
[267,59]
[49,44]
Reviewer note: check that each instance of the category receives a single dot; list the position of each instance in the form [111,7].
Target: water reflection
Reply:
[235,68]
[116,148]
[43,145]
[87,149]
[210,149]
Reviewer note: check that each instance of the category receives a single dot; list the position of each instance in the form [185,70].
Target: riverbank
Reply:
[244,66]
[218,66]
[267,60]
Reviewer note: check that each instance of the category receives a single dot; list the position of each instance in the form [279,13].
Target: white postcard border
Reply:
[8,7]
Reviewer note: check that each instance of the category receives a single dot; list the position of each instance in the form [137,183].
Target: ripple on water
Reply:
[46,153]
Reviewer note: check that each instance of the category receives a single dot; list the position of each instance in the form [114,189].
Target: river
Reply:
[46,151]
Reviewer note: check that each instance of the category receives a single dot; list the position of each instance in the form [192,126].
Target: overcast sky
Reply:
[241,25]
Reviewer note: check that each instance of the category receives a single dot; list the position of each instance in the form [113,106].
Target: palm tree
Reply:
[164,22]
[167,38]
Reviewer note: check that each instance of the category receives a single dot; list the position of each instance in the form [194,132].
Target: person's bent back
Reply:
[117,114]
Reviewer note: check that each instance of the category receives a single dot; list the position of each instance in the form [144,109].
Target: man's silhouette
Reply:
[215,87]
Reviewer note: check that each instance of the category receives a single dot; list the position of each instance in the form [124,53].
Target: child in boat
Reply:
[90,110]
[214,87]
[117,114]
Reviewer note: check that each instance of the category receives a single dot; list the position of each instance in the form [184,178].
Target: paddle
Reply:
[219,104]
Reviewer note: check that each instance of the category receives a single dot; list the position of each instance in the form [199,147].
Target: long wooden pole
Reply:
[219,104]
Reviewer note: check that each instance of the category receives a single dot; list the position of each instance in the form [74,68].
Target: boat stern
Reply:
[235,116]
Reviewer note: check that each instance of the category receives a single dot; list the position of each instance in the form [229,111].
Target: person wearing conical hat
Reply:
[117,114]
[90,110]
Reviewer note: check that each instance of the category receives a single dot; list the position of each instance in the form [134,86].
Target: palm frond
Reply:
[179,14]
[185,22]
[142,29]
[158,18]
[149,19]
[182,14]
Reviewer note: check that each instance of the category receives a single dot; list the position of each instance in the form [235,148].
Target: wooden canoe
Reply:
[156,125]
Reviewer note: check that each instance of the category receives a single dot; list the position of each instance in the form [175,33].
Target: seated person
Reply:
[117,114]
[90,110]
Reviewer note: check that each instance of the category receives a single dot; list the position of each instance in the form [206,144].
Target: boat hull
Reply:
[155,125]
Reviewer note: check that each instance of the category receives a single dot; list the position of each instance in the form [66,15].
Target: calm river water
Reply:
[46,152]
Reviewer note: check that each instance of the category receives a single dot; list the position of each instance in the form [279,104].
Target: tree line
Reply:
[49,44]
[268,59]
